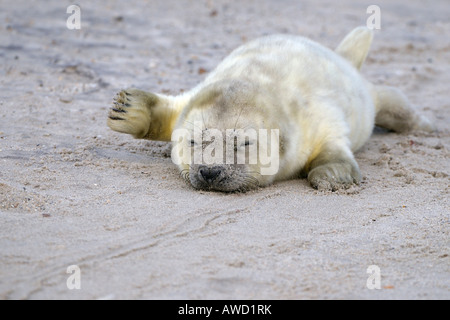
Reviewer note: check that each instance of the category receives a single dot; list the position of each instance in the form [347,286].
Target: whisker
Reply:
[255,172]
[185,175]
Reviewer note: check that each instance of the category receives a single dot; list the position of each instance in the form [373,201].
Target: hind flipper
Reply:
[394,112]
[355,46]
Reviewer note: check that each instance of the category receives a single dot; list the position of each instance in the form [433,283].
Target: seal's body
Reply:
[322,107]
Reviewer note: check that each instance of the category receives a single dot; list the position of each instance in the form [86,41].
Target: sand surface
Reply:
[72,192]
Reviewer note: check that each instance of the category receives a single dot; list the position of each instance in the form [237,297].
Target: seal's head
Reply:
[225,140]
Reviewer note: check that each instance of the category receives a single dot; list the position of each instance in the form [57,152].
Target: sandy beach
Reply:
[73,192]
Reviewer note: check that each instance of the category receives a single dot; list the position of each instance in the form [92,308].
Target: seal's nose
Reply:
[209,174]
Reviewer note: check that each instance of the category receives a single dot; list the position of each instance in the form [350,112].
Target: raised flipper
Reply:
[144,115]
[355,46]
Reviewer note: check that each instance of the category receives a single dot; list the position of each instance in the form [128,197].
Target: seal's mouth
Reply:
[221,178]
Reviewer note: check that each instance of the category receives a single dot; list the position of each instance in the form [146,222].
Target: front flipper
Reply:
[142,114]
[334,168]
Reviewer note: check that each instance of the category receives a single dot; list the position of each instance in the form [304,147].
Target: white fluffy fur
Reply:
[325,110]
